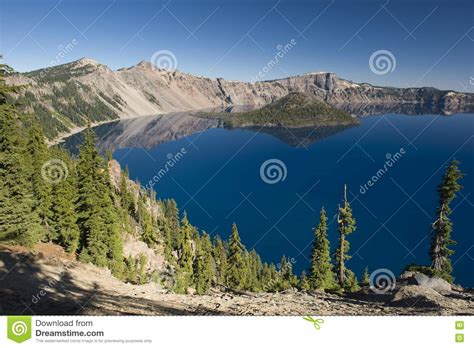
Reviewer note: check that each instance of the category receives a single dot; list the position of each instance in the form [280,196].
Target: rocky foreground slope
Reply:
[49,281]
[71,95]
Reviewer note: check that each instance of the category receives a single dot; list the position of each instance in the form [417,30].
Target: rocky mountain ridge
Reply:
[84,91]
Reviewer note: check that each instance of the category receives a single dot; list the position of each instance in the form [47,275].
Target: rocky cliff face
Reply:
[74,94]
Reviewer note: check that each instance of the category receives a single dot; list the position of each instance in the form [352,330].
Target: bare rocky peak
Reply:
[83,64]
[86,61]
[142,65]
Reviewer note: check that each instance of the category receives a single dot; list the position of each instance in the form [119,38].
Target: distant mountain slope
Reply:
[71,95]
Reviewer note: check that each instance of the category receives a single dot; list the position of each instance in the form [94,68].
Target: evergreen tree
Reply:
[194,233]
[111,218]
[254,269]
[220,259]
[172,216]
[287,278]
[101,241]
[19,222]
[165,232]
[149,235]
[40,176]
[63,215]
[265,277]
[321,276]
[186,255]
[93,230]
[127,200]
[352,284]
[304,283]
[365,277]
[203,265]
[269,278]
[346,225]
[235,273]
[135,270]
[168,247]
[440,251]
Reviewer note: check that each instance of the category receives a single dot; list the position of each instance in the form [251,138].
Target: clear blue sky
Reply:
[432,41]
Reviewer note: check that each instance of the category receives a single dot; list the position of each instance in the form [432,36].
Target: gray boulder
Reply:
[435,283]
[417,296]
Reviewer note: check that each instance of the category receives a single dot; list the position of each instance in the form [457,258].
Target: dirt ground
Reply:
[49,281]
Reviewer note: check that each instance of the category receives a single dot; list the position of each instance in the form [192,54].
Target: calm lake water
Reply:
[217,181]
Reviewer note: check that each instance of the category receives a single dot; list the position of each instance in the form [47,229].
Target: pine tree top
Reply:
[449,185]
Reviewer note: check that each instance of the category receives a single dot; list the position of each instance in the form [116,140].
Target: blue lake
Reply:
[217,181]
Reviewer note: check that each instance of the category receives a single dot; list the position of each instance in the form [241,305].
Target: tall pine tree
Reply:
[346,226]
[236,267]
[440,251]
[203,265]
[269,278]
[64,226]
[287,278]
[220,259]
[186,256]
[149,233]
[127,200]
[172,216]
[254,266]
[38,155]
[321,276]
[101,240]
[167,244]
